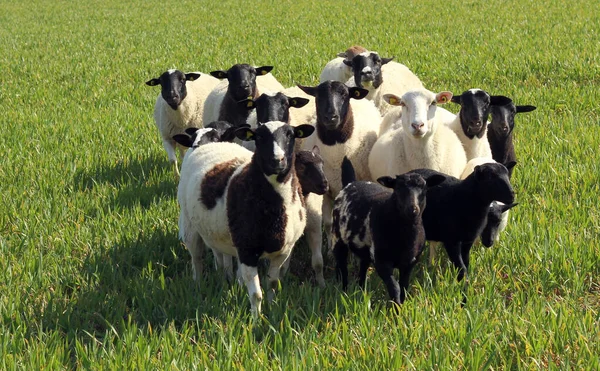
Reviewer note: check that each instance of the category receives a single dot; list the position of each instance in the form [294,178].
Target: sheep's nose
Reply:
[417,125]
[505,128]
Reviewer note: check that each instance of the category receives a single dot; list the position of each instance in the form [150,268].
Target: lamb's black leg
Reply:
[404,278]
[362,273]
[454,253]
[386,272]
[340,251]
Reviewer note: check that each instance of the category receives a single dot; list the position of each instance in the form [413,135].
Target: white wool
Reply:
[336,70]
[397,151]
[214,100]
[397,79]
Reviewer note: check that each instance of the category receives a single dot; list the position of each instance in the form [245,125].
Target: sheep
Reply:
[471,121]
[217,131]
[381,76]
[336,69]
[380,223]
[346,125]
[179,106]
[393,119]
[242,83]
[421,142]
[499,133]
[497,218]
[243,204]
[456,211]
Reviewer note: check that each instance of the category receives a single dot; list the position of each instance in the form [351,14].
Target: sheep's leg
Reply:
[455,255]
[386,272]
[169,145]
[362,273]
[250,276]
[228,267]
[340,251]
[274,270]
[218,257]
[327,209]
[314,237]
[195,246]
[404,279]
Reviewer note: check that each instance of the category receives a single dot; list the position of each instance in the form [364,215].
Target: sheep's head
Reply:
[410,190]
[332,99]
[418,109]
[351,52]
[475,105]
[274,141]
[493,182]
[309,167]
[366,68]
[216,131]
[503,118]
[491,231]
[242,80]
[273,107]
[172,83]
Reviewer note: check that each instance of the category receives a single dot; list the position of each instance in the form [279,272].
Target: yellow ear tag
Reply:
[393,101]
[357,93]
[221,75]
[248,134]
[263,72]
[249,105]
[299,133]
[444,99]
[293,102]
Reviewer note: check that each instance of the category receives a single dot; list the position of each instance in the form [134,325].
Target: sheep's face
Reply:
[195,137]
[475,105]
[493,182]
[225,130]
[503,118]
[418,110]
[366,68]
[410,190]
[491,232]
[274,145]
[242,80]
[332,99]
[172,83]
[274,107]
[309,167]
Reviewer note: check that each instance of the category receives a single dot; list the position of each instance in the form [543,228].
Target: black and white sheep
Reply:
[470,123]
[381,223]
[179,105]
[242,82]
[381,76]
[346,125]
[336,69]
[244,204]
[500,130]
[457,210]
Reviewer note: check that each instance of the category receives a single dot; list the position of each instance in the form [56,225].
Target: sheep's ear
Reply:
[443,97]
[153,82]
[523,109]
[358,93]
[263,70]
[229,134]
[310,90]
[298,102]
[434,180]
[245,134]
[219,74]
[247,104]
[341,55]
[456,99]
[386,60]
[510,164]
[316,151]
[192,76]
[481,172]
[508,207]
[191,131]
[393,99]
[387,181]
[303,131]
[499,100]
[184,140]
[347,62]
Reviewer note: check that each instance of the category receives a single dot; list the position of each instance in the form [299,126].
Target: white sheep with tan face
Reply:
[421,142]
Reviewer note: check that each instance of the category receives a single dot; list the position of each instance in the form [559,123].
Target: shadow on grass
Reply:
[134,180]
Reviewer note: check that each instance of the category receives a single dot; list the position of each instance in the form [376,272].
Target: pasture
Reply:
[92,274]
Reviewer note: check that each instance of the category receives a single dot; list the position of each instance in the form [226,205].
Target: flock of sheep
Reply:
[367,155]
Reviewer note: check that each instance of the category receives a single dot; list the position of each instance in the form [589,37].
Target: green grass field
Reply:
[92,274]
